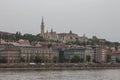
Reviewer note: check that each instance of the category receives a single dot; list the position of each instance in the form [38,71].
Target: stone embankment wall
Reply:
[58,66]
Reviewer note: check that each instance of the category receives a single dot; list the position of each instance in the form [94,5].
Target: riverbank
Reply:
[47,69]
[58,66]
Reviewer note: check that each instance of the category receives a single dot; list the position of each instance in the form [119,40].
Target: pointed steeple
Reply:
[51,30]
[42,27]
[42,20]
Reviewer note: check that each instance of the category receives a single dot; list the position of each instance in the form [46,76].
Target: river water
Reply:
[61,75]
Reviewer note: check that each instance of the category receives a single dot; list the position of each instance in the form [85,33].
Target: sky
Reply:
[91,17]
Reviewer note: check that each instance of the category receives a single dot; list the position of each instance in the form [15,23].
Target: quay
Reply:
[57,66]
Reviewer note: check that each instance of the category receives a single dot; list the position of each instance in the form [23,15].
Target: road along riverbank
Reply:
[57,66]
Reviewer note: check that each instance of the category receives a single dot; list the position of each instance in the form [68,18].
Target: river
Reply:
[61,75]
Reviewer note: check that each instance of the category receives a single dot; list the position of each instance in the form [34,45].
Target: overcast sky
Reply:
[90,17]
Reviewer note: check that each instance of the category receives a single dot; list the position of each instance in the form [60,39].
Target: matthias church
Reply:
[63,37]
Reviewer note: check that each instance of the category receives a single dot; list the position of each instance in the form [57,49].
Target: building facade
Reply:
[27,54]
[115,56]
[97,53]
[63,37]
[71,52]
[10,55]
[48,35]
[89,55]
[47,55]
[68,37]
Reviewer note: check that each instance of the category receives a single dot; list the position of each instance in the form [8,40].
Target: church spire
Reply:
[42,20]
[70,32]
[42,27]
[51,30]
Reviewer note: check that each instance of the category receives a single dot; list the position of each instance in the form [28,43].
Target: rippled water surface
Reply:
[61,75]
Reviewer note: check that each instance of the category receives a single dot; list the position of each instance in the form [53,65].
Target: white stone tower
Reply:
[42,28]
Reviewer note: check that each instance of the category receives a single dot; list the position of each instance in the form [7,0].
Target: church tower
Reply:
[42,28]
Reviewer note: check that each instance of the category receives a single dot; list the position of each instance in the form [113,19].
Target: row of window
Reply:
[36,51]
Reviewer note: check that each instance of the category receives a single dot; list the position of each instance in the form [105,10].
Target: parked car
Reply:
[32,63]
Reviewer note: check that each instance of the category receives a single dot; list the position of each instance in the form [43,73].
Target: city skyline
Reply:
[100,18]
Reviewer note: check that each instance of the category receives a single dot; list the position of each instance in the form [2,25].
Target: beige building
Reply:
[46,54]
[10,55]
[115,56]
[89,53]
[27,54]
[48,35]
[23,42]
[68,37]
[83,38]
[104,55]
[63,37]
[51,35]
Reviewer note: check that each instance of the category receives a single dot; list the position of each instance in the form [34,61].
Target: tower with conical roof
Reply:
[42,28]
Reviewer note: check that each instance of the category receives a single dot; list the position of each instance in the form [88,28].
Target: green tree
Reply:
[108,58]
[75,59]
[61,56]
[117,60]
[31,37]
[38,59]
[3,60]
[18,36]
[49,45]
[88,58]
[81,60]
[94,61]
[22,59]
